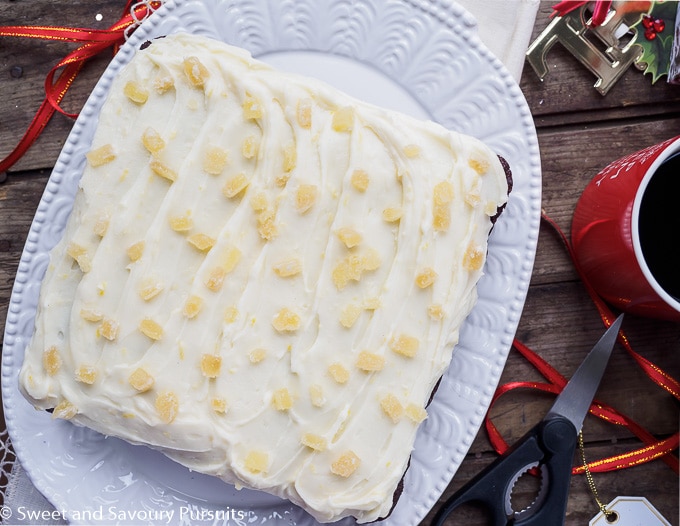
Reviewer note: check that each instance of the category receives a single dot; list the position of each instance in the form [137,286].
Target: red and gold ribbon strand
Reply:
[652,449]
[600,10]
[61,76]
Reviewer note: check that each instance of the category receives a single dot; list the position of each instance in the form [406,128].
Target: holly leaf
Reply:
[656,54]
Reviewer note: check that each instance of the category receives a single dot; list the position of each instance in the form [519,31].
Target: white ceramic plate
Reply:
[419,56]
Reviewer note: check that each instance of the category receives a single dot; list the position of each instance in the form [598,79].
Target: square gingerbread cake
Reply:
[262,277]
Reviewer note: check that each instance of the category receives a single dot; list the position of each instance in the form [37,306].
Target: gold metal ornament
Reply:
[575,32]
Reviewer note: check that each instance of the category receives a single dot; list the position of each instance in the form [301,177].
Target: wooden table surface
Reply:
[579,132]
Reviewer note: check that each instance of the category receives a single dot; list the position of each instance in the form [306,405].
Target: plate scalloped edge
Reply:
[458,409]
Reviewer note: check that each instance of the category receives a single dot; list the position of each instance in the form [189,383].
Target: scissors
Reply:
[549,446]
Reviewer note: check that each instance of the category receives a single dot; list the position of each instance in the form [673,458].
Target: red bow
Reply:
[61,76]
[599,13]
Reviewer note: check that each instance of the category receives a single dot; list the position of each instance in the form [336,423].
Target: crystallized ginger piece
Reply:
[441,213]
[259,202]
[436,311]
[473,198]
[479,165]
[230,258]
[65,410]
[201,242]
[282,399]
[425,278]
[167,406]
[101,226]
[286,320]
[182,223]
[392,214]
[392,407]
[305,197]
[349,237]
[215,279]
[266,224]
[102,155]
[289,158]
[343,119]
[257,461]
[163,84]
[346,464]
[441,218]
[473,258]
[235,185]
[405,345]
[211,365]
[338,372]
[152,140]
[196,72]
[443,193]
[349,268]
[214,160]
[192,306]
[316,395]
[136,92]
[313,441]
[230,314]
[151,329]
[304,113]
[349,315]
[288,267]
[372,303]
[86,374]
[109,329]
[51,361]
[150,288]
[249,147]
[370,260]
[359,180]
[219,405]
[162,170]
[252,108]
[91,315]
[217,275]
[79,254]
[141,380]
[370,362]
[257,355]
[135,251]
[416,413]
[412,151]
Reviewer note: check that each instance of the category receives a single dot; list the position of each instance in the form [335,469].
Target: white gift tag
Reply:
[630,511]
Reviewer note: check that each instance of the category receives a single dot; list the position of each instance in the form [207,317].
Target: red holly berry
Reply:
[659,25]
[652,26]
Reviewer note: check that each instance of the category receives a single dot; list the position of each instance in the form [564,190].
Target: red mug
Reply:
[626,232]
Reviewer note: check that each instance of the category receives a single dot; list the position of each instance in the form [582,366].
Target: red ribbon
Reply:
[599,12]
[653,448]
[61,76]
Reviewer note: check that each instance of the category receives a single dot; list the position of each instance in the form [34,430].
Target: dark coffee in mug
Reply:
[659,225]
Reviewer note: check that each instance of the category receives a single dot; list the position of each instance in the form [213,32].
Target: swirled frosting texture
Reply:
[262,277]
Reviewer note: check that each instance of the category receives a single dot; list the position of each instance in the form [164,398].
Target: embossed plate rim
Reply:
[416,500]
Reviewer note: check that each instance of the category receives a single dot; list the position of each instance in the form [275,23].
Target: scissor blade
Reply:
[575,399]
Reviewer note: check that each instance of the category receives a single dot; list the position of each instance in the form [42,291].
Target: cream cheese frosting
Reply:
[262,277]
